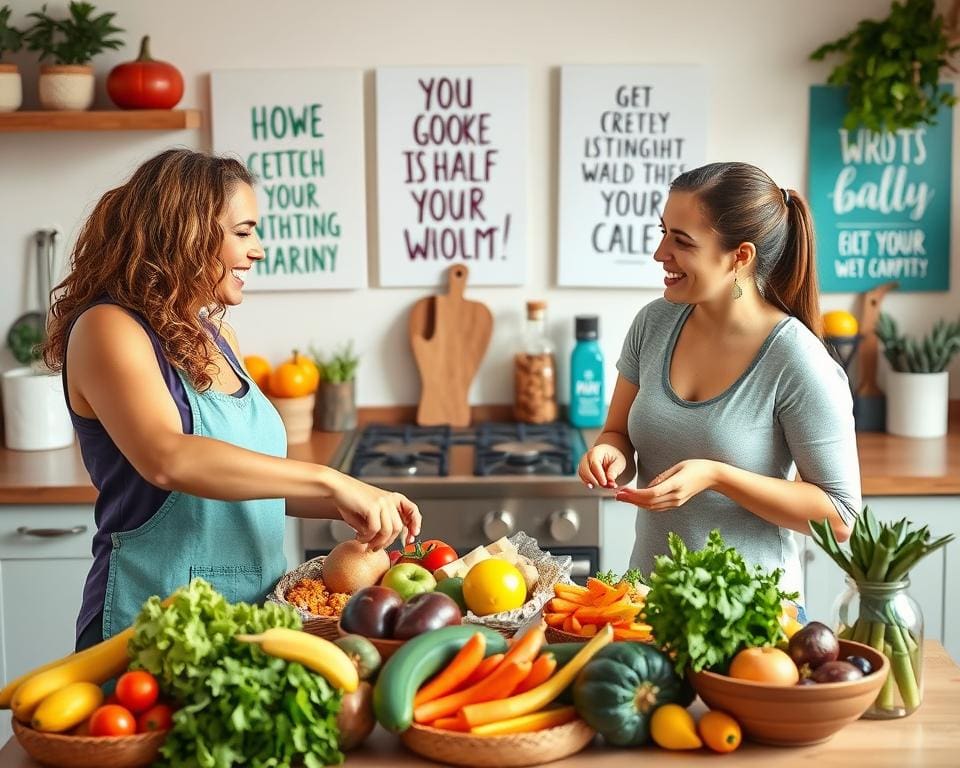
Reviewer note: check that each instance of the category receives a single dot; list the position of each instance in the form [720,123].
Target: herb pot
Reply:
[336,407]
[885,617]
[917,403]
[297,416]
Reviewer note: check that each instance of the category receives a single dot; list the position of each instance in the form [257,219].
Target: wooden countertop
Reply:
[889,466]
[929,737]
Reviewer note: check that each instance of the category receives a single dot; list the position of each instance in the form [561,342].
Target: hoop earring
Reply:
[737,290]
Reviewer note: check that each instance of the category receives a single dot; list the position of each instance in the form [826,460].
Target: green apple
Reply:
[453,587]
[409,579]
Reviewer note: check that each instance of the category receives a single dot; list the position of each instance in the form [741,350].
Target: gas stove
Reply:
[476,484]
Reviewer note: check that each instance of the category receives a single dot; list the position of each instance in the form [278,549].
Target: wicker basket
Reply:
[63,751]
[321,626]
[513,749]
[554,635]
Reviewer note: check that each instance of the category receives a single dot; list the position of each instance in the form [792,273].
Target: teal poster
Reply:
[880,201]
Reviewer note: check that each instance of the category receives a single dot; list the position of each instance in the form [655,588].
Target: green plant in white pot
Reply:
[72,43]
[11,87]
[918,385]
[336,405]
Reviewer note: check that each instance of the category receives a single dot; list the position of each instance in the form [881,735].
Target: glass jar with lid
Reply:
[535,370]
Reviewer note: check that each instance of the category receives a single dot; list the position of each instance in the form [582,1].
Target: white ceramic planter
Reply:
[35,415]
[66,87]
[917,404]
[11,88]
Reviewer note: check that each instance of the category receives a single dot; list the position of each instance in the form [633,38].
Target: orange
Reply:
[492,586]
[719,731]
[764,665]
[289,380]
[309,367]
[839,323]
[259,370]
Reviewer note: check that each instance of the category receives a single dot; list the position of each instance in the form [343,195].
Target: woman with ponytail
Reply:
[726,391]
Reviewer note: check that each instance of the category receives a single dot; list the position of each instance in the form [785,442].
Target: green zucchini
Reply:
[417,660]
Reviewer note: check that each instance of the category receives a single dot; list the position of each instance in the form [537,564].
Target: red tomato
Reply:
[137,690]
[157,718]
[431,554]
[438,557]
[145,83]
[112,720]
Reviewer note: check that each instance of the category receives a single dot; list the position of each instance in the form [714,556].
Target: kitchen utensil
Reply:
[869,407]
[30,328]
[797,714]
[449,336]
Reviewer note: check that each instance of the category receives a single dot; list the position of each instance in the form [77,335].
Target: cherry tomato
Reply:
[112,720]
[137,690]
[438,557]
[158,718]
[431,554]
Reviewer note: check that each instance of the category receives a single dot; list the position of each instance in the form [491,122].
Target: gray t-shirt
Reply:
[791,409]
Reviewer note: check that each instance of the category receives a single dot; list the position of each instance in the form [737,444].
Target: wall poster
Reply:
[625,133]
[300,132]
[452,174]
[880,201]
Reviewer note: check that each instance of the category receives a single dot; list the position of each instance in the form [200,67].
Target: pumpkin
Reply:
[618,690]
[145,83]
[309,367]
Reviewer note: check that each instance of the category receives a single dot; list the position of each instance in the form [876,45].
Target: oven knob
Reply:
[340,531]
[496,525]
[564,525]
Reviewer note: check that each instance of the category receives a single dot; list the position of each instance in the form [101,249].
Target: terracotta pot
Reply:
[11,88]
[297,415]
[66,86]
[336,408]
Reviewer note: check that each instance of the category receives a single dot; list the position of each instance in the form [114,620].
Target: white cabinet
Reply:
[44,559]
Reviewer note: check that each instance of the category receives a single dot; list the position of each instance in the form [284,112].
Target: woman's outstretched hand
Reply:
[601,466]
[673,487]
[378,516]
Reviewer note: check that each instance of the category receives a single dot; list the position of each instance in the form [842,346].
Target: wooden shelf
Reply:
[102,120]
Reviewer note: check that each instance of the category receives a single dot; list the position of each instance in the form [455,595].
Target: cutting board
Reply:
[449,336]
[869,408]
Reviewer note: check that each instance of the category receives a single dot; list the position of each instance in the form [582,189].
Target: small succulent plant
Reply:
[930,354]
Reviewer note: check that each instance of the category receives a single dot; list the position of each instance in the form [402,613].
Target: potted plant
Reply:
[892,67]
[72,42]
[11,88]
[918,386]
[336,406]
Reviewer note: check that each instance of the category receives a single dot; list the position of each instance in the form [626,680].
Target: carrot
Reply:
[558,605]
[456,723]
[573,594]
[588,630]
[554,619]
[542,668]
[484,669]
[527,647]
[616,594]
[597,588]
[458,670]
[538,721]
[498,686]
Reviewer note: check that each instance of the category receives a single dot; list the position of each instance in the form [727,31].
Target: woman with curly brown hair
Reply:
[187,454]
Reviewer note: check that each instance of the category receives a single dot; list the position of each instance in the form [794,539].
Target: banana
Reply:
[315,653]
[6,694]
[69,706]
[96,665]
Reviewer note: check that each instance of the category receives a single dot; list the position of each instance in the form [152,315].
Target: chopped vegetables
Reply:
[581,610]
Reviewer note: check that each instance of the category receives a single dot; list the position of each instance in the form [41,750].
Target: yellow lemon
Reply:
[492,586]
[672,727]
[839,323]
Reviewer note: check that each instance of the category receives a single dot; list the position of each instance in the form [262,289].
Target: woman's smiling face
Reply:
[241,247]
[697,268]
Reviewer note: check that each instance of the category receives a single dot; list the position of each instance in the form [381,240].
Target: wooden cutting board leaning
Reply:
[449,336]
[869,403]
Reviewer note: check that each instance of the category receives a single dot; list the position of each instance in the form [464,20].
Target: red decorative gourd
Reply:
[145,83]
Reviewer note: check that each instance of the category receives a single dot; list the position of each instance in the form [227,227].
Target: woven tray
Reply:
[322,626]
[64,751]
[513,749]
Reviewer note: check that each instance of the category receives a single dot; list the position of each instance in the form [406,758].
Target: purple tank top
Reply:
[125,500]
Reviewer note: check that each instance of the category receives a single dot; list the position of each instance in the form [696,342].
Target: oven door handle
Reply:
[580,567]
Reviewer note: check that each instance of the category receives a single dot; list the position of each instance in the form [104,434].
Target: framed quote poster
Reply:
[880,201]
[452,174]
[625,133]
[300,132]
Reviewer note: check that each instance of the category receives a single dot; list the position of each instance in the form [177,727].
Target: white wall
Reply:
[755,51]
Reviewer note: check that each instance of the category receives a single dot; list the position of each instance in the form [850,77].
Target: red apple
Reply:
[409,579]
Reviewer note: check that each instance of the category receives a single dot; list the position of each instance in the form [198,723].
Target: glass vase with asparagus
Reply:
[878,561]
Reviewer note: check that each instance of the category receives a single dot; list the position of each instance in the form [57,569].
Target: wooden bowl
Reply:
[386,646]
[799,714]
[64,751]
[513,749]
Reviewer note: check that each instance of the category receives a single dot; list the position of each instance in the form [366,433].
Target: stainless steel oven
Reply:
[477,484]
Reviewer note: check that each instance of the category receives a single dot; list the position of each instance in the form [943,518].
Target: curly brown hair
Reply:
[152,246]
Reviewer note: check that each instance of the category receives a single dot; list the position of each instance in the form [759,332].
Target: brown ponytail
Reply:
[746,206]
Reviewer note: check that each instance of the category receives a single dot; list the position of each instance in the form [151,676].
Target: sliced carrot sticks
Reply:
[538,721]
[541,670]
[484,669]
[499,685]
[458,670]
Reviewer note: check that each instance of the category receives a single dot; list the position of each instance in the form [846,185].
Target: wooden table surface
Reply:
[929,737]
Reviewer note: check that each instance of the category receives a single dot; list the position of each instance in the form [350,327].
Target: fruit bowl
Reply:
[799,714]
[387,647]
[68,751]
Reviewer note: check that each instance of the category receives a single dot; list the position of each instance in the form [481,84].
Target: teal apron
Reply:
[237,546]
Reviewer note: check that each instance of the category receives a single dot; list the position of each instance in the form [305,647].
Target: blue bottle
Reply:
[587,403]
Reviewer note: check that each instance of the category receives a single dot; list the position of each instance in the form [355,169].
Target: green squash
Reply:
[619,688]
[362,653]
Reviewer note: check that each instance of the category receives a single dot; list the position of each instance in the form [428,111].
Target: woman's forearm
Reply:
[782,502]
[316,508]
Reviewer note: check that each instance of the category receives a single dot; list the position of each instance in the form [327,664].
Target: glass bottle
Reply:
[885,617]
[587,403]
[535,371]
